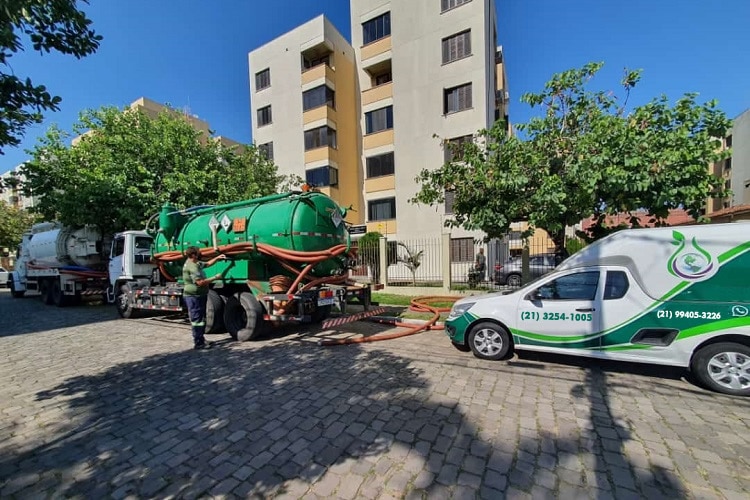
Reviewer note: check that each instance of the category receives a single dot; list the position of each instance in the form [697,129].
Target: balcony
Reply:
[378,139]
[375,49]
[320,154]
[320,72]
[319,113]
[382,183]
[378,93]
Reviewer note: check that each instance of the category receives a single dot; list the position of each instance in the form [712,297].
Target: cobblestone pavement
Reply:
[93,406]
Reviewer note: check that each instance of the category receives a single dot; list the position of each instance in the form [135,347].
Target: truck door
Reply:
[115,259]
[564,312]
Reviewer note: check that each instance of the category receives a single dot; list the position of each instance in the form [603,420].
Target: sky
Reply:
[193,54]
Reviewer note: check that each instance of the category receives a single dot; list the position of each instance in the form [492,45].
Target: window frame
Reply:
[445,5]
[371,26]
[258,77]
[448,98]
[449,154]
[445,46]
[462,250]
[329,98]
[379,158]
[330,133]
[607,284]
[369,120]
[267,150]
[332,176]
[261,113]
[380,201]
[597,273]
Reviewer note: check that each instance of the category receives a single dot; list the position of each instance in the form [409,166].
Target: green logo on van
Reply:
[689,261]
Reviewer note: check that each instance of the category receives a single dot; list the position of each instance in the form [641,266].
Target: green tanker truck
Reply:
[288,259]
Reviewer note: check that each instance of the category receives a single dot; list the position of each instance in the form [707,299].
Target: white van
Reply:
[672,296]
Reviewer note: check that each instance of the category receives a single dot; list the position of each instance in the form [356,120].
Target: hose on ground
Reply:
[418,304]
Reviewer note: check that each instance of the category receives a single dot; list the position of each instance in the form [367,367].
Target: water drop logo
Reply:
[690,261]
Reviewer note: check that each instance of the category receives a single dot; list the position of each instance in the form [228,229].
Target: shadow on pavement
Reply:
[284,418]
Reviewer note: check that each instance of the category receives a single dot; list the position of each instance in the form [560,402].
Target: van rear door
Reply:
[562,312]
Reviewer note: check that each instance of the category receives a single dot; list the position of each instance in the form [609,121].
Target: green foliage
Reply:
[127,165]
[368,253]
[572,245]
[585,156]
[49,25]
[13,223]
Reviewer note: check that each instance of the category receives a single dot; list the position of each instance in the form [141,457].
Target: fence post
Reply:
[445,253]
[525,271]
[383,257]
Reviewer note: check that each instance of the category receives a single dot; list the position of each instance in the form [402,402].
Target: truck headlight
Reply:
[458,309]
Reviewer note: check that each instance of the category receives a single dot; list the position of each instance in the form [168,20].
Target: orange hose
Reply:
[419,304]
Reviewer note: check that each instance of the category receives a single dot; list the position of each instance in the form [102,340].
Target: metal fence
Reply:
[509,262]
[416,262]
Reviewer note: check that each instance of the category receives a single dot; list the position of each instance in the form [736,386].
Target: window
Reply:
[457,98]
[578,286]
[381,209]
[383,78]
[143,243]
[457,46]
[377,28]
[322,176]
[267,150]
[462,249]
[263,79]
[264,116]
[118,247]
[308,63]
[616,285]
[729,141]
[380,165]
[319,96]
[453,149]
[451,4]
[450,197]
[320,137]
[380,119]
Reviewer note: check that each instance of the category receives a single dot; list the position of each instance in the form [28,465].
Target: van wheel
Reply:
[461,347]
[243,317]
[723,367]
[214,313]
[489,341]
[514,280]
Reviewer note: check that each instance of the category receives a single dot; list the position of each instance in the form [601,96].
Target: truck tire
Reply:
[723,367]
[13,292]
[214,313]
[320,314]
[124,307]
[58,297]
[243,317]
[45,289]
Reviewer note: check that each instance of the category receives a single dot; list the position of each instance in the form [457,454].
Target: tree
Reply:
[13,223]
[368,253]
[49,25]
[584,156]
[412,260]
[126,165]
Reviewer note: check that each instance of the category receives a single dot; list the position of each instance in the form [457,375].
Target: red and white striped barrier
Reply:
[330,323]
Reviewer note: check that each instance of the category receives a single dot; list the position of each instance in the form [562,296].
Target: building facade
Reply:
[735,170]
[361,119]
[12,192]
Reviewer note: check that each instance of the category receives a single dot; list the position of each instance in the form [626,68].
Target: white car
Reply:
[4,277]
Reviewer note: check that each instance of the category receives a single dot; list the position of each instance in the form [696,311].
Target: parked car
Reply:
[4,277]
[511,272]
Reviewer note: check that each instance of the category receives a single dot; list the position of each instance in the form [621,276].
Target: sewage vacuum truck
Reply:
[289,257]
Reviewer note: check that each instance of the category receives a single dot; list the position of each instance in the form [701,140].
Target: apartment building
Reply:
[360,119]
[735,170]
[12,192]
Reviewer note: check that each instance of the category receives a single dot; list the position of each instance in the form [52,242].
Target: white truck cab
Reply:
[672,296]
[129,260]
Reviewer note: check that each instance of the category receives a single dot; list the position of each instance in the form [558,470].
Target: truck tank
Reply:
[54,245]
[298,222]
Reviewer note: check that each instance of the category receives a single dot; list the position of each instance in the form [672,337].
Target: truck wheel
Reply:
[214,313]
[46,290]
[243,317]
[320,314]
[489,341]
[122,302]
[58,297]
[13,292]
[723,367]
